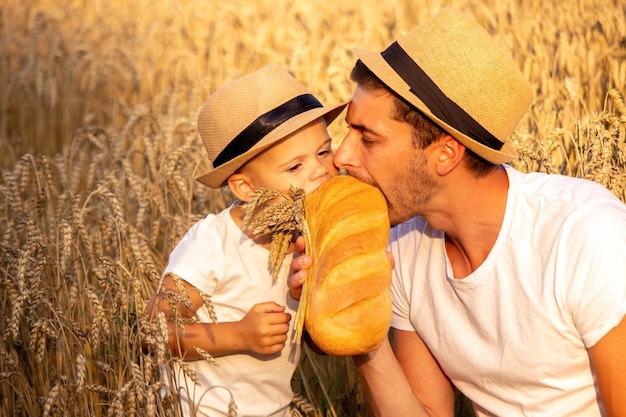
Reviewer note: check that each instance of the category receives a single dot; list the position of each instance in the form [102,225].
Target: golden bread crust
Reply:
[349,309]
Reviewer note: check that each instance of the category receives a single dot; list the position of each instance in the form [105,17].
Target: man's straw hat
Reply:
[246,116]
[454,72]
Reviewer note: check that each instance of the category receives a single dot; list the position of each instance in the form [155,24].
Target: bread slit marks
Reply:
[273,213]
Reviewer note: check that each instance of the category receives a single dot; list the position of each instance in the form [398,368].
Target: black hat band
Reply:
[263,125]
[438,103]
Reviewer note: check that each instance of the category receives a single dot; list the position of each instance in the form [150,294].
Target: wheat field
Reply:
[99,150]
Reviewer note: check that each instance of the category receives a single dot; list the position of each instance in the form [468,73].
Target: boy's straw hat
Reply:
[251,113]
[454,72]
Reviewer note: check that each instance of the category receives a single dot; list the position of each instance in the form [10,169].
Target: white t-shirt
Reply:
[216,257]
[512,336]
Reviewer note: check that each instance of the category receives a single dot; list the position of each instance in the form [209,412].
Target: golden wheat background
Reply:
[98,151]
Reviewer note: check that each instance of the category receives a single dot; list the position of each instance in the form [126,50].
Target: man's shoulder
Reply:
[414,228]
[558,187]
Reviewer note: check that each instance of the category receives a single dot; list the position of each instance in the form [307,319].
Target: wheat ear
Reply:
[280,215]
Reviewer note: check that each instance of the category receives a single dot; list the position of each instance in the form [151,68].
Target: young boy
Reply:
[263,130]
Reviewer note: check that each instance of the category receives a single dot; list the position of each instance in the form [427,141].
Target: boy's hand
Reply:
[264,328]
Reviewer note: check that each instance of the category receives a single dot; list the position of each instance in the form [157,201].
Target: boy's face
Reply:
[303,159]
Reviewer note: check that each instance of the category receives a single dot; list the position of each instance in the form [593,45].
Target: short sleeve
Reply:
[198,257]
[594,255]
[402,275]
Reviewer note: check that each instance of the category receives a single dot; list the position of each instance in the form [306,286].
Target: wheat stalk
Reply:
[280,215]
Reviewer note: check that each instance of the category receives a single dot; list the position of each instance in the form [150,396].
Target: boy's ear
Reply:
[450,154]
[241,186]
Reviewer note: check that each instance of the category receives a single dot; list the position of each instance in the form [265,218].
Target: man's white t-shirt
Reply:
[513,335]
[216,257]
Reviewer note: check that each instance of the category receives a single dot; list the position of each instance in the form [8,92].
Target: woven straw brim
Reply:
[471,70]
[375,62]
[216,178]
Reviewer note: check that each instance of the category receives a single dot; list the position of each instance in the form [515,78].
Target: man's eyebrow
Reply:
[362,128]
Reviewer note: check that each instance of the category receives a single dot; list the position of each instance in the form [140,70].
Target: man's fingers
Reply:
[300,246]
[391,260]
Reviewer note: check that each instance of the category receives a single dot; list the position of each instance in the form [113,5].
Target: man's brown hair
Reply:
[425,131]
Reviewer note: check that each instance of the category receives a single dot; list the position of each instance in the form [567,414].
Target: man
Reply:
[509,286]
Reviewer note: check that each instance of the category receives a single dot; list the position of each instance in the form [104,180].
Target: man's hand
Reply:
[299,270]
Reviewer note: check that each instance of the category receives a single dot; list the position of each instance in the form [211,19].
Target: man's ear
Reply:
[450,154]
[241,186]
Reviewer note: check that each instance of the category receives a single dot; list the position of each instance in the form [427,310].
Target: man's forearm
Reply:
[387,389]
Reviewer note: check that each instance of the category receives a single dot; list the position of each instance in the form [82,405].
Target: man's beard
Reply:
[408,194]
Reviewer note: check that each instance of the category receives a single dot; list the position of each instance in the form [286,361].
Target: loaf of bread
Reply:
[348,309]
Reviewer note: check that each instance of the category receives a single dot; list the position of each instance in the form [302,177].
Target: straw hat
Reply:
[454,72]
[246,116]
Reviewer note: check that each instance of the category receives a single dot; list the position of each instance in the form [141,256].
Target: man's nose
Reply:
[345,156]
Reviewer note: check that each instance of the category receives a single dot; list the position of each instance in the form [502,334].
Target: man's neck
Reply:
[471,215]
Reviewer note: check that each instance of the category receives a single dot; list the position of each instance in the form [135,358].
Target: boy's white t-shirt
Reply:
[512,336]
[216,257]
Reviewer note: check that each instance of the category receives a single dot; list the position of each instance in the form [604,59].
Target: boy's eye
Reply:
[294,168]
[324,152]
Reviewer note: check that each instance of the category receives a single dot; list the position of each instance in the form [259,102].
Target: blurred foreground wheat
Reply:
[98,152]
